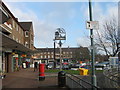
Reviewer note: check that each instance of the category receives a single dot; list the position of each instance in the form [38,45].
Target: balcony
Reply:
[4,15]
[6,29]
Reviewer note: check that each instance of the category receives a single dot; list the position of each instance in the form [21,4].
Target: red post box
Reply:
[41,71]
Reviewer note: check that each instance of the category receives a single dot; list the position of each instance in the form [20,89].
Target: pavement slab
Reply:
[27,78]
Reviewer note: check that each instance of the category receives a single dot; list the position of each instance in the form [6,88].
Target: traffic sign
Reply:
[92,25]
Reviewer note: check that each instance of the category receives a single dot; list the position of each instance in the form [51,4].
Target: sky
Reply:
[72,16]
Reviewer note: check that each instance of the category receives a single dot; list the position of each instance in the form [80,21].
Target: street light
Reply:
[92,48]
[60,35]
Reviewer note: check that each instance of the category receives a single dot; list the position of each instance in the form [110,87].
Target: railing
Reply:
[111,78]
[73,82]
[6,28]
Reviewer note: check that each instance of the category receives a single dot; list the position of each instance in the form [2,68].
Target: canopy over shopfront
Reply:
[10,61]
[7,43]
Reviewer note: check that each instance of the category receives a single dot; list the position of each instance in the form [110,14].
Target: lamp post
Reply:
[60,35]
[92,48]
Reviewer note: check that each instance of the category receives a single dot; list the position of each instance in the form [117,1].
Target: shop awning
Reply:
[7,42]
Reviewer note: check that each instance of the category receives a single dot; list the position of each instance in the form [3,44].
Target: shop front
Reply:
[13,54]
[6,62]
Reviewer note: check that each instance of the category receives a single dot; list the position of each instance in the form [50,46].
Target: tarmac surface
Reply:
[27,78]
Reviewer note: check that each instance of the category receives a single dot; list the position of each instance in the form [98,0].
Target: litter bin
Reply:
[83,71]
[61,79]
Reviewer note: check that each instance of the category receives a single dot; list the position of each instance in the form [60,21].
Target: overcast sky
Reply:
[47,16]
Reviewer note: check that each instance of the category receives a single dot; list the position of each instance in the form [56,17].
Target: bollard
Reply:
[41,72]
[61,79]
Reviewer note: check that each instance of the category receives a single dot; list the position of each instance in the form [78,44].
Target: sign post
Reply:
[119,42]
[60,35]
[91,25]
[119,67]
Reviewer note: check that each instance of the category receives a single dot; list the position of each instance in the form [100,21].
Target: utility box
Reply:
[113,62]
[83,71]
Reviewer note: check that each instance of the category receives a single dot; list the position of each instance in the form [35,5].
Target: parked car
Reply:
[50,66]
[65,67]
[75,67]
[102,65]
[86,67]
[57,66]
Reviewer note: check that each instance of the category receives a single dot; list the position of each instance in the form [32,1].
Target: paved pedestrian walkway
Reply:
[27,78]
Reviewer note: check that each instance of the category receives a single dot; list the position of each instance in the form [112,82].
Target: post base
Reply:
[41,78]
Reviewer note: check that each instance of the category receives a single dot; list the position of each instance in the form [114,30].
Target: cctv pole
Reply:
[92,48]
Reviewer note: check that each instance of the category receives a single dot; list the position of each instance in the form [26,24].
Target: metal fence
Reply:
[74,82]
[111,78]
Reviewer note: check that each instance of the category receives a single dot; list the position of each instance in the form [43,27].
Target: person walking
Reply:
[35,66]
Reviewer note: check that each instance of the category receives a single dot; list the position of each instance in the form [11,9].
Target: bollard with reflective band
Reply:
[41,72]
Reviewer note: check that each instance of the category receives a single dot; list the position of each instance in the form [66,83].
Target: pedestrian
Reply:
[35,66]
[26,64]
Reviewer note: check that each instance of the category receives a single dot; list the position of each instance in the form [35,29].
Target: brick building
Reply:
[13,47]
[47,54]
[28,34]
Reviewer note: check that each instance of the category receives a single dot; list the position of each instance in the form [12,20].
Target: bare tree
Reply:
[107,40]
